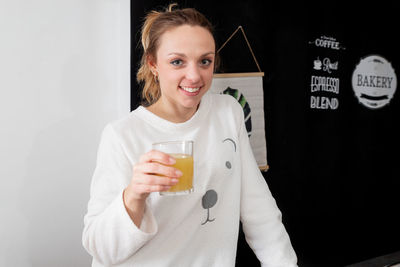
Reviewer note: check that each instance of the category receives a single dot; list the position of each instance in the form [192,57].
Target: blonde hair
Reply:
[156,23]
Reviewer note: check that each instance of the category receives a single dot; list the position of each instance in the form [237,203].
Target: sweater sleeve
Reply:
[109,234]
[260,216]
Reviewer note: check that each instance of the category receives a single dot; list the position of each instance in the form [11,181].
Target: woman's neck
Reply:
[172,113]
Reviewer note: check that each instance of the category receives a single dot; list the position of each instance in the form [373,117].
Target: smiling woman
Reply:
[129,223]
[155,26]
[184,74]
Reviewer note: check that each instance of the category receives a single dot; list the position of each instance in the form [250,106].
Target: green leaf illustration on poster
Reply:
[245,105]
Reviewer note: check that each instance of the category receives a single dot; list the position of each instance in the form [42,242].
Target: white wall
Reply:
[64,73]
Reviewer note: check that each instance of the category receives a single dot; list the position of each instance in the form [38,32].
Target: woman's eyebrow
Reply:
[176,54]
[208,53]
[183,55]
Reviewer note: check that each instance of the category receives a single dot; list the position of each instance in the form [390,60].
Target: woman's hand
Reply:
[153,173]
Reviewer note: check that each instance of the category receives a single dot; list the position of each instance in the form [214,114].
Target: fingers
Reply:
[154,173]
[154,177]
[157,156]
[148,179]
[148,183]
[143,188]
[156,168]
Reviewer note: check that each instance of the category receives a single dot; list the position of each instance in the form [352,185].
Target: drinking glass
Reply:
[182,151]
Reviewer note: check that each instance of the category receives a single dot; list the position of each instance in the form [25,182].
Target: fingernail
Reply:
[172,160]
[174,180]
[178,173]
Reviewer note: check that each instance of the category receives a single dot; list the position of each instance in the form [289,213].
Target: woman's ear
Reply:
[151,62]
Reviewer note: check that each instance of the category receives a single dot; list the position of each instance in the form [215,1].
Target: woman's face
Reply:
[185,64]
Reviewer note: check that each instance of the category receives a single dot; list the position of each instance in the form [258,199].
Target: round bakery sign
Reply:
[374,81]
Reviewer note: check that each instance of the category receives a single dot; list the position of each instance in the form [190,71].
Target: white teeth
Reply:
[190,90]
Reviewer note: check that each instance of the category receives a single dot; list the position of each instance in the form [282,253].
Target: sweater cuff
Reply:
[148,228]
[149,224]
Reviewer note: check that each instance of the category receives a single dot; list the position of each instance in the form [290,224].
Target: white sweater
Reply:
[195,230]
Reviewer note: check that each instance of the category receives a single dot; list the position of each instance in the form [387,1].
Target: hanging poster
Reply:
[247,89]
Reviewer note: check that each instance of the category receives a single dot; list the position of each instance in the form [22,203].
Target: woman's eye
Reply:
[176,62]
[206,62]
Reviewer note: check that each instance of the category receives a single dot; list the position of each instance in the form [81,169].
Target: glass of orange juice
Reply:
[182,151]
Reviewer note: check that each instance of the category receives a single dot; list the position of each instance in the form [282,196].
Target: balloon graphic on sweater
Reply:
[245,105]
[208,201]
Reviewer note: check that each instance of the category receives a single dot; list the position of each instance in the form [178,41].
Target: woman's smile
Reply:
[190,89]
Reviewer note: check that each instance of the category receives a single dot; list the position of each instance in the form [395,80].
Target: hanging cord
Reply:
[248,44]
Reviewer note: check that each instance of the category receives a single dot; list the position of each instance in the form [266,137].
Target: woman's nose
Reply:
[193,73]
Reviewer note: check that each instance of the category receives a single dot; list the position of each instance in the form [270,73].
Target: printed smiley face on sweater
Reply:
[210,198]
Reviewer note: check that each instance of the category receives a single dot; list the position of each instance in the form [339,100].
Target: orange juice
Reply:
[184,163]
